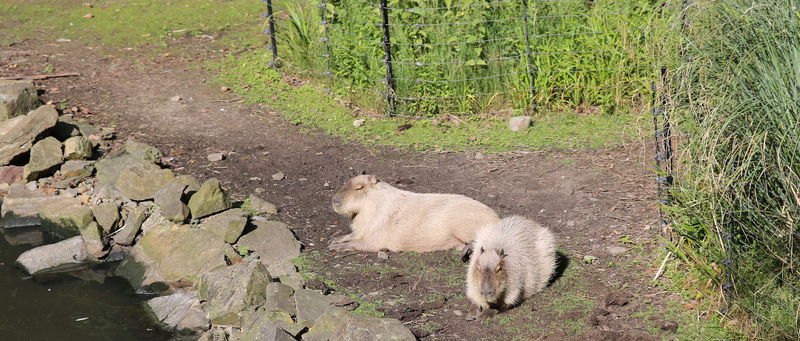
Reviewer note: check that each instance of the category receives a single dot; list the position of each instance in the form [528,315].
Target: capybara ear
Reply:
[373,179]
[466,252]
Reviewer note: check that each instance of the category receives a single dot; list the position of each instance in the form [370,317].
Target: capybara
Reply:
[511,261]
[387,218]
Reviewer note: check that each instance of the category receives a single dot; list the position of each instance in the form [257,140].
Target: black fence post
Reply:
[273,41]
[387,49]
[323,12]
[663,139]
[529,54]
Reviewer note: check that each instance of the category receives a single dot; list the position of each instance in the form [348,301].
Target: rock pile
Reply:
[215,266]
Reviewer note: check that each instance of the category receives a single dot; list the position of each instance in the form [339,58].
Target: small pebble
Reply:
[214,157]
[175,98]
[383,255]
[31,186]
[589,259]
[255,178]
[358,123]
[457,312]
[259,190]
[278,176]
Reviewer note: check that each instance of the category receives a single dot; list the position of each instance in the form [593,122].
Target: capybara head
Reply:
[490,272]
[349,199]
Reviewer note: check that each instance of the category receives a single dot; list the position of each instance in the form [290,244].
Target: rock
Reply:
[168,199]
[86,129]
[46,155]
[65,218]
[311,304]
[77,148]
[143,151]
[278,176]
[616,298]
[230,290]
[107,216]
[260,206]
[282,268]
[176,98]
[257,326]
[294,280]
[209,199]
[21,207]
[65,128]
[283,320]
[77,168]
[359,123]
[214,334]
[383,255]
[133,223]
[279,297]
[31,186]
[228,225]
[589,259]
[214,157]
[109,169]
[93,240]
[259,190]
[17,134]
[335,324]
[616,250]
[180,310]
[171,253]
[192,185]
[155,220]
[142,183]
[17,98]
[66,255]
[23,236]
[10,174]
[271,241]
[519,123]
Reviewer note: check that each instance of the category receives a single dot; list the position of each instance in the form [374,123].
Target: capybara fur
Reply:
[511,261]
[387,218]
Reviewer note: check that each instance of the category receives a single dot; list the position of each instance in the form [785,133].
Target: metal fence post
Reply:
[273,42]
[323,12]
[663,138]
[387,49]
[529,54]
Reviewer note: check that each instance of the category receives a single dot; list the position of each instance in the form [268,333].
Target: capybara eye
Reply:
[481,250]
[359,187]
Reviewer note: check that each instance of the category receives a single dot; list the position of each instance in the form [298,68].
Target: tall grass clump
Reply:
[737,196]
[471,56]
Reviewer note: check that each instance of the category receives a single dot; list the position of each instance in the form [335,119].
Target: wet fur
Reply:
[511,261]
[388,218]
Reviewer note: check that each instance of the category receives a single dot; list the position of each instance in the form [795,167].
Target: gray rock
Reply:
[46,156]
[21,207]
[142,151]
[616,250]
[168,199]
[259,326]
[192,184]
[31,186]
[228,225]
[335,324]
[284,321]
[66,255]
[86,128]
[107,216]
[142,183]
[261,206]
[93,241]
[171,253]
[279,297]
[109,169]
[65,128]
[155,221]
[17,98]
[282,268]
[230,290]
[65,218]
[23,236]
[311,304]
[77,148]
[209,199]
[180,311]
[133,223]
[214,334]
[10,174]
[214,157]
[294,280]
[519,123]
[17,134]
[77,168]
[272,241]
[278,176]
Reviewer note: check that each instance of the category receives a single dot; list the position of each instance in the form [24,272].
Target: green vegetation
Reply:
[737,192]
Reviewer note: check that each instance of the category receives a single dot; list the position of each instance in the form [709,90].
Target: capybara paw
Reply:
[474,312]
[487,313]
[340,239]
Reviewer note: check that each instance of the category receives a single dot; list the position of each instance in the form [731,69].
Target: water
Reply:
[48,309]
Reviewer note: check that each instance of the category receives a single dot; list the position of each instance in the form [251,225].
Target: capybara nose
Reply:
[487,293]
[337,202]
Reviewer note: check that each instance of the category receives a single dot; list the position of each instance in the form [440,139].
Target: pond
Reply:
[81,305]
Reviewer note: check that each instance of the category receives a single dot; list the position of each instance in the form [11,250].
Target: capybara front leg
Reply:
[356,244]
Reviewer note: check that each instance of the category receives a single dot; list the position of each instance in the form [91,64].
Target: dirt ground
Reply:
[593,200]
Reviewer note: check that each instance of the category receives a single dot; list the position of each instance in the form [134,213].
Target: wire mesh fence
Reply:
[425,58]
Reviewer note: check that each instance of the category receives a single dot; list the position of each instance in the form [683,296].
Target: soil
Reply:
[592,199]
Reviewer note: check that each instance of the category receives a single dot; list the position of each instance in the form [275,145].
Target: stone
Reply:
[142,183]
[23,236]
[93,240]
[228,225]
[18,134]
[519,123]
[31,186]
[109,169]
[180,311]
[107,216]
[335,324]
[272,241]
[66,255]
[17,98]
[311,304]
[176,98]
[294,280]
[46,156]
[143,151]
[284,321]
[358,123]
[192,184]
[86,129]
[214,157]
[588,259]
[278,176]
[169,201]
[209,199]
[155,220]
[282,268]
[133,223]
[261,206]
[259,325]
[616,250]
[214,334]
[21,207]
[77,168]
[168,253]
[279,297]
[65,128]
[383,255]
[65,218]
[10,174]
[230,290]
[77,148]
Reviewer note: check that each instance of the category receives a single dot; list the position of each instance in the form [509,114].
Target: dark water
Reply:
[48,309]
